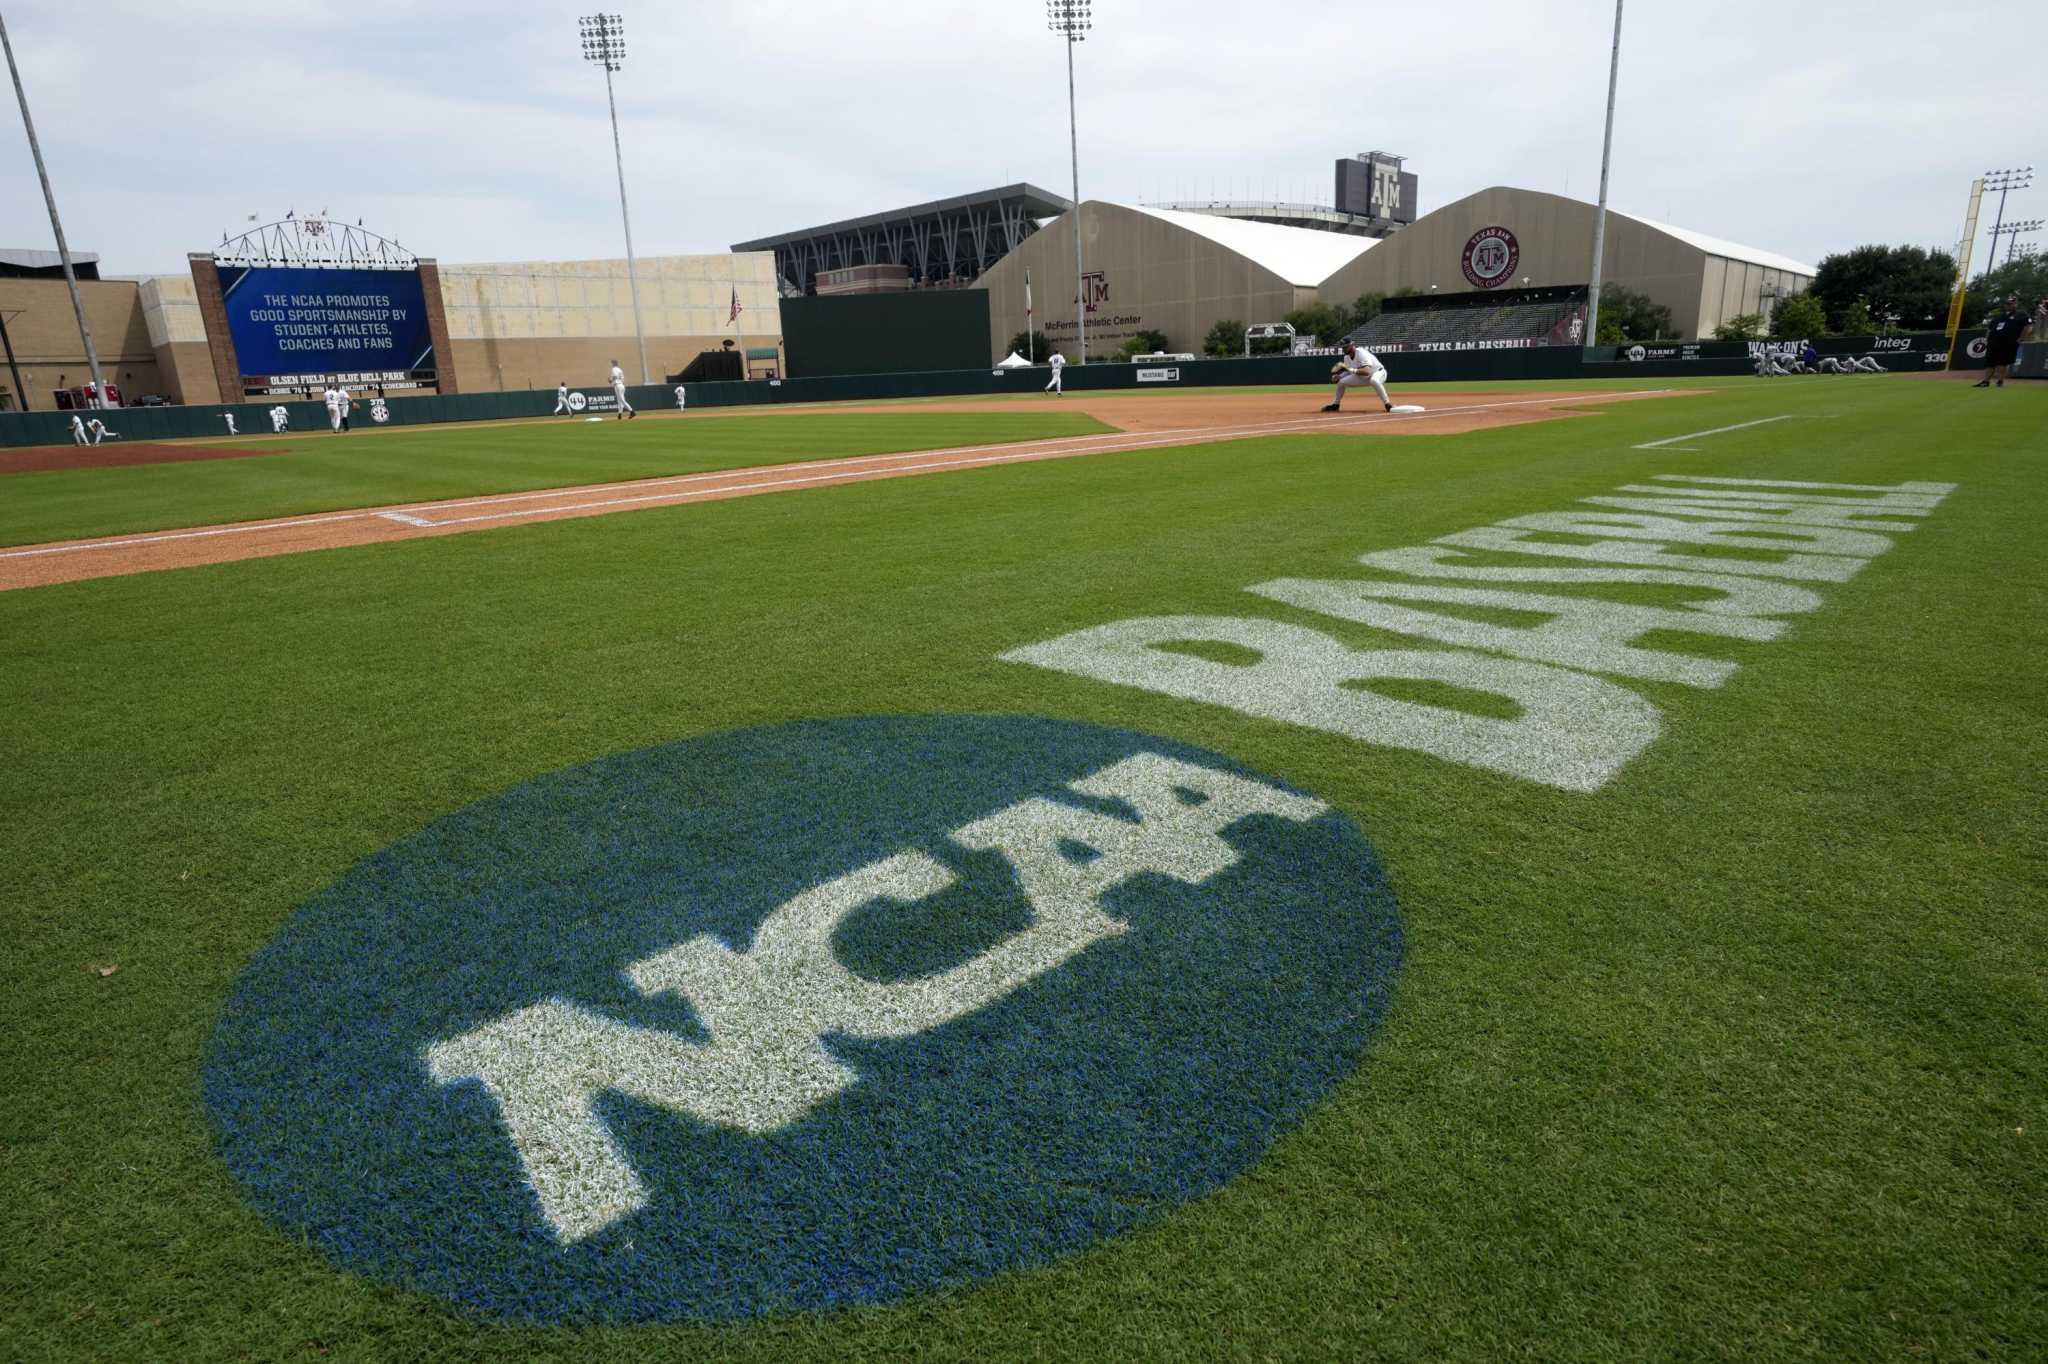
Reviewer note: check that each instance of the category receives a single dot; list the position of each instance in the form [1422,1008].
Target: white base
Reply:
[1407,407]
[593,419]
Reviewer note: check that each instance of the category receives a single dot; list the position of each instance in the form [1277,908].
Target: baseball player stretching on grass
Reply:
[1356,365]
[619,392]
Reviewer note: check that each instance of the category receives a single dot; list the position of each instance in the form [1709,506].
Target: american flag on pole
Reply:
[734,316]
[1027,300]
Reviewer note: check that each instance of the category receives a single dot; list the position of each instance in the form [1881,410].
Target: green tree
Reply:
[1857,321]
[1797,318]
[2028,278]
[1631,316]
[1365,308]
[1908,280]
[1741,327]
[1144,342]
[1029,344]
[1322,321]
[1225,338]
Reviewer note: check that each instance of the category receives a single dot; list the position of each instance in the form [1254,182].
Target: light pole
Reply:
[92,356]
[1600,214]
[604,42]
[2004,181]
[1069,18]
[2013,233]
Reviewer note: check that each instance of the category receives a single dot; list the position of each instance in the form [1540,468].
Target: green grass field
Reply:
[1738,1056]
[319,471]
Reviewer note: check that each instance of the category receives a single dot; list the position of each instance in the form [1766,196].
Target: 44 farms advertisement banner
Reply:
[293,325]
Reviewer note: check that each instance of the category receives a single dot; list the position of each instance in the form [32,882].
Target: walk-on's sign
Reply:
[801,1017]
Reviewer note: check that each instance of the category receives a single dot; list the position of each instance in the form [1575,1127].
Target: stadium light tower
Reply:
[2004,181]
[1070,19]
[92,356]
[1600,214]
[2013,233]
[604,42]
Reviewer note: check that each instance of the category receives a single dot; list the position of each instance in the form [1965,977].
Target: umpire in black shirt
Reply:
[2002,339]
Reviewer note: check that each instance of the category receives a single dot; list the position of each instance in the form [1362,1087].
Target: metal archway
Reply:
[313,241]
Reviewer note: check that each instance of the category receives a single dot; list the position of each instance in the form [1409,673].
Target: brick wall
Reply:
[220,342]
[437,328]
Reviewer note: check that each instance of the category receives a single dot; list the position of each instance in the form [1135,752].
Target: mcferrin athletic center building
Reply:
[1180,272]
[935,286]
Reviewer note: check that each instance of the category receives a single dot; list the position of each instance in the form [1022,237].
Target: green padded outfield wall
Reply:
[886,333]
[1663,360]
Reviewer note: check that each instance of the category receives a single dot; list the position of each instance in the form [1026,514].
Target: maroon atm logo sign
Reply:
[1490,257]
[1094,290]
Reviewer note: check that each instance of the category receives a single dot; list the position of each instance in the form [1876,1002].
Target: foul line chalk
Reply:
[1695,435]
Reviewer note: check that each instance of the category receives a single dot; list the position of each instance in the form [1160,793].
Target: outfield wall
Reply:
[1674,361]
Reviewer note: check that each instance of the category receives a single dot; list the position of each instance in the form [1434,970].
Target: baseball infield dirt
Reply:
[36,459]
[1146,422]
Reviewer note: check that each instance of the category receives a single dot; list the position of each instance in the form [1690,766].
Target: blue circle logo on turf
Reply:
[801,1017]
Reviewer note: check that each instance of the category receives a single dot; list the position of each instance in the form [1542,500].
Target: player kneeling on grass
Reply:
[1356,365]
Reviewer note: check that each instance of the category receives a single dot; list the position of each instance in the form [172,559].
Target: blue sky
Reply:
[476,132]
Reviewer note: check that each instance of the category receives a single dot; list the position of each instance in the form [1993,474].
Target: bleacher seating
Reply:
[1416,328]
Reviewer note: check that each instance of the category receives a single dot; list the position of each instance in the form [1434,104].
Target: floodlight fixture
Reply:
[1070,17]
[604,39]
[2005,181]
[2013,233]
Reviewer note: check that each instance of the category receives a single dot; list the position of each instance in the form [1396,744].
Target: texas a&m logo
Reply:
[1490,257]
[1094,290]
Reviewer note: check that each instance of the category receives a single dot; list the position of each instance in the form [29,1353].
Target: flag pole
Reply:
[746,369]
[1030,341]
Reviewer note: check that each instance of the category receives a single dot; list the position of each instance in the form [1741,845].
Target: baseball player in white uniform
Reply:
[619,392]
[333,412]
[229,418]
[1357,365]
[562,400]
[78,436]
[342,403]
[682,398]
[1059,365]
[280,419]
[99,431]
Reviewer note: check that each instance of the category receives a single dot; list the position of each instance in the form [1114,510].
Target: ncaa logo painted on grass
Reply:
[801,1017]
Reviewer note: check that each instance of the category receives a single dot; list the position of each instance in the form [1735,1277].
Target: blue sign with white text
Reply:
[300,322]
